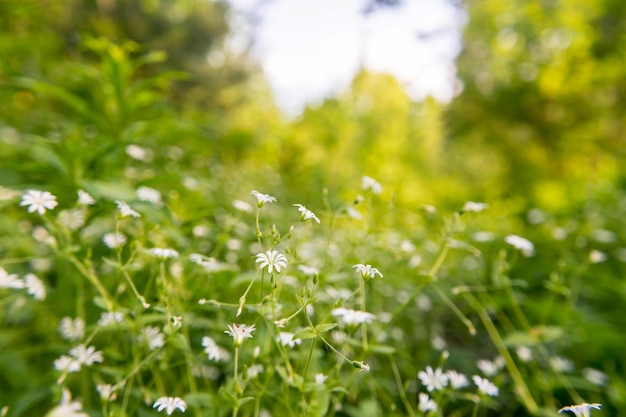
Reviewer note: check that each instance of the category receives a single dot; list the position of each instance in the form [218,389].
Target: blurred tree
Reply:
[544,87]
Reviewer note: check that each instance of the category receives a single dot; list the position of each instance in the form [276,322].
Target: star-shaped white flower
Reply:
[39,201]
[367,271]
[261,198]
[485,386]
[306,214]
[433,380]
[272,260]
[524,245]
[169,404]
[240,332]
[581,410]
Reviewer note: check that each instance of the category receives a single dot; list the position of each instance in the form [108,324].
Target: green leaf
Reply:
[307,333]
[326,327]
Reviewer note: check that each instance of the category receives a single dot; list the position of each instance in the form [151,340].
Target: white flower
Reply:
[361,366]
[370,184]
[595,377]
[242,206]
[308,270]
[149,194]
[86,356]
[67,364]
[561,364]
[240,332]
[350,317]
[85,199]
[35,287]
[272,260]
[114,240]
[426,403]
[177,321]
[106,391]
[306,214]
[286,339]
[433,380]
[261,199]
[153,337]
[39,201]
[108,318]
[488,367]
[457,380]
[211,349]
[524,353]
[596,256]
[581,410]
[72,329]
[72,219]
[524,245]
[67,407]
[10,280]
[169,404]
[164,253]
[139,153]
[254,370]
[474,207]
[320,378]
[485,386]
[125,210]
[366,271]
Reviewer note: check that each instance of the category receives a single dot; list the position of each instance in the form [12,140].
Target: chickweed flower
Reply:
[286,339]
[370,184]
[72,329]
[164,253]
[149,194]
[106,391]
[261,199]
[85,199]
[367,271]
[488,367]
[474,207]
[114,240]
[211,348]
[581,410]
[272,260]
[67,364]
[426,403]
[361,366]
[67,407]
[35,287]
[524,245]
[485,386]
[351,317]
[10,280]
[306,214]
[125,210]
[320,378]
[169,404]
[433,380]
[110,317]
[153,337]
[242,206]
[457,380]
[39,201]
[86,355]
[240,332]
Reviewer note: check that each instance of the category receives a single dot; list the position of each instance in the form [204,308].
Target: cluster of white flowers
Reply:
[78,356]
[353,317]
[33,285]
[435,380]
[164,253]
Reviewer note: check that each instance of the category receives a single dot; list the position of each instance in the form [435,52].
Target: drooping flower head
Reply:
[306,214]
[39,201]
[581,410]
[169,404]
[240,332]
[272,260]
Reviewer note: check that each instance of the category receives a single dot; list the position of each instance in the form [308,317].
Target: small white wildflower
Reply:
[483,236]
[524,353]
[169,404]
[524,245]
[433,380]
[306,214]
[67,407]
[86,355]
[72,329]
[367,271]
[242,206]
[153,337]
[262,199]
[109,318]
[361,366]
[39,201]
[596,256]
[10,280]
[177,321]
[595,376]
[125,210]
[85,199]
[254,370]
[67,364]
[240,332]
[320,378]
[308,270]
[35,287]
[211,348]
[114,240]
[456,379]
[370,184]
[272,260]
[487,367]
[149,194]
[286,339]
[426,403]
[106,391]
[581,410]
[472,206]
[561,364]
[139,153]
[485,386]
[353,317]
[72,219]
[354,213]
[164,253]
